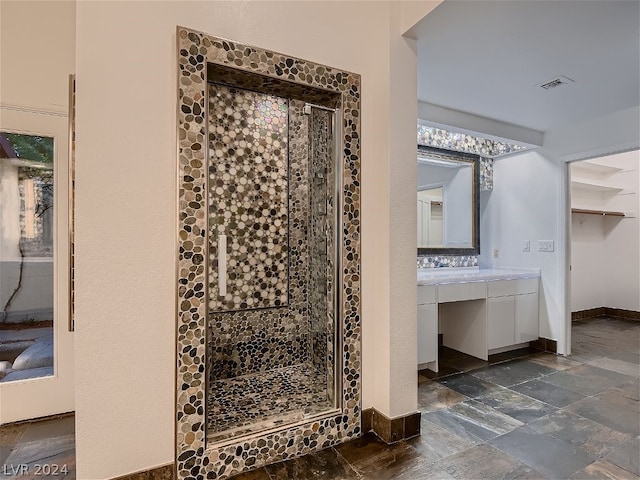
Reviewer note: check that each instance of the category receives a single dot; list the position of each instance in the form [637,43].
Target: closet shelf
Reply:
[595,168]
[596,187]
[607,213]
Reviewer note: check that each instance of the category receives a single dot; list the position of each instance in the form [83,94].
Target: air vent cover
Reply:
[556,82]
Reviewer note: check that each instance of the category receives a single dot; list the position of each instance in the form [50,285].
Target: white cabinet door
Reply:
[427,333]
[500,322]
[526,309]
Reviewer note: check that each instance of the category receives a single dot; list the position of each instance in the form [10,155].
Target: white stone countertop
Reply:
[446,275]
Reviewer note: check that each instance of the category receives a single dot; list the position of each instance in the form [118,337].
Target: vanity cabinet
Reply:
[479,312]
[427,328]
[512,312]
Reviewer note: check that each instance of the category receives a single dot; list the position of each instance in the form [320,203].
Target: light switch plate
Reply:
[526,246]
[545,245]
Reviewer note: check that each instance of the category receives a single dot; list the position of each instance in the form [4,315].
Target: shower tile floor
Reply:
[577,419]
[260,401]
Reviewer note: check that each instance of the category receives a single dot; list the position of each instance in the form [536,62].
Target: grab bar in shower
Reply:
[222,265]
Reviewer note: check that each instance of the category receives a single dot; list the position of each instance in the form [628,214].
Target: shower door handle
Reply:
[222,265]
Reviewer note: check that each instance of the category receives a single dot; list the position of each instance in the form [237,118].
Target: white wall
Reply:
[126,197]
[526,204]
[587,262]
[37,50]
[605,251]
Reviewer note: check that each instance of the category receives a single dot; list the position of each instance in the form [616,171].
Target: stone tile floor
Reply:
[39,449]
[540,416]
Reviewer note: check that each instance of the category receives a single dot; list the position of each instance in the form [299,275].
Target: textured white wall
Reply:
[126,196]
[526,204]
[37,50]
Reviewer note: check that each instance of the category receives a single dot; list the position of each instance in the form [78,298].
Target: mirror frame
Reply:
[475,196]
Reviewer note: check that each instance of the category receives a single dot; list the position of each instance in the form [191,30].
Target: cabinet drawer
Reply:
[426,294]
[502,288]
[462,291]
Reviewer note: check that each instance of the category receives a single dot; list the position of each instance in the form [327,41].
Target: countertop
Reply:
[442,276]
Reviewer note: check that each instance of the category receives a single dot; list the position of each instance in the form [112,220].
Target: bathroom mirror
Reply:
[447,201]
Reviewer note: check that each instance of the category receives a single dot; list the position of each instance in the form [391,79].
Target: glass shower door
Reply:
[271,259]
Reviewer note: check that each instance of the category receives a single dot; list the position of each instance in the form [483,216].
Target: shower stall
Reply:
[272,237]
[268,317]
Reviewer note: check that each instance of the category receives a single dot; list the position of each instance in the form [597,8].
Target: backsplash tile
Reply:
[444,261]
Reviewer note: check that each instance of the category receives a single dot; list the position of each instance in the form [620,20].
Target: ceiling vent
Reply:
[556,82]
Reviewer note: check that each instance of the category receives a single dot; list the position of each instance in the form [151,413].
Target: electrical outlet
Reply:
[545,245]
[496,253]
[526,246]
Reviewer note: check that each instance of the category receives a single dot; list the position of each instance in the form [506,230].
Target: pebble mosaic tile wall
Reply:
[486,173]
[258,194]
[248,197]
[443,261]
[461,142]
[195,458]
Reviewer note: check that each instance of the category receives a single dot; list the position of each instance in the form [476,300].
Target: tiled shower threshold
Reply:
[261,401]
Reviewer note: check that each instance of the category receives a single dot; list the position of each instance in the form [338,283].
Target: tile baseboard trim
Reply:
[621,312]
[545,344]
[165,472]
[588,313]
[390,430]
[606,311]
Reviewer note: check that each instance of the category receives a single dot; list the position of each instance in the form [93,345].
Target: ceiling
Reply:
[488,58]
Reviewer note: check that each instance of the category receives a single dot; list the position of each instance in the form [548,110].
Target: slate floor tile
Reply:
[10,435]
[57,453]
[487,462]
[617,365]
[514,372]
[55,427]
[627,455]
[436,442]
[630,389]
[595,373]
[371,458]
[548,393]
[595,439]
[550,360]
[580,384]
[550,456]
[612,409]
[469,385]
[421,471]
[474,421]
[434,396]
[520,407]
[601,470]
[316,466]
[260,474]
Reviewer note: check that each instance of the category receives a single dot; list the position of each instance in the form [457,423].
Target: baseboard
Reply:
[621,312]
[390,430]
[588,313]
[545,345]
[605,311]
[165,472]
